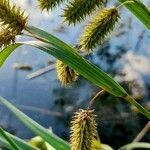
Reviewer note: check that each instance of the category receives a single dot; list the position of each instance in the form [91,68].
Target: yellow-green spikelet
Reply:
[65,74]
[6,37]
[83,130]
[49,4]
[77,10]
[97,30]
[12,17]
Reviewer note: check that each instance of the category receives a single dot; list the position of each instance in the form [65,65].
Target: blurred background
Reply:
[125,56]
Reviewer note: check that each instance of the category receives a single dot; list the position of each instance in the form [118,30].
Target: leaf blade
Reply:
[5,53]
[139,10]
[21,143]
[75,61]
[52,139]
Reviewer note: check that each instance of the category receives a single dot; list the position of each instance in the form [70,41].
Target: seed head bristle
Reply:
[49,4]
[6,36]
[65,74]
[83,130]
[97,30]
[77,10]
[12,17]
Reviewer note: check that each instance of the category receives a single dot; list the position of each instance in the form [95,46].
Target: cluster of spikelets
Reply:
[49,4]
[83,130]
[77,10]
[65,74]
[95,33]
[12,22]
[99,27]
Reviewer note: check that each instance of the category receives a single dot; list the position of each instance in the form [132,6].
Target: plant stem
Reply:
[142,110]
[142,132]
[94,98]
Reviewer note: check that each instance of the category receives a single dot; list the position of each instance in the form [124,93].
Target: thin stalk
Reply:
[94,98]
[136,145]
[142,133]
[9,140]
[131,100]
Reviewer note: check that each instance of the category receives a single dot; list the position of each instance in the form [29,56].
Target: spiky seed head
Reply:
[97,30]
[83,130]
[12,17]
[49,4]
[6,37]
[65,74]
[77,10]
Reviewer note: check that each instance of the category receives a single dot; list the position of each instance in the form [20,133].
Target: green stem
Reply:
[136,104]
[10,141]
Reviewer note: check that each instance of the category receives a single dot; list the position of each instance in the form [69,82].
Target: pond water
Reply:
[40,97]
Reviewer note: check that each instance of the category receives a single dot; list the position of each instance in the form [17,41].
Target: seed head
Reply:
[6,37]
[12,17]
[77,10]
[49,4]
[83,130]
[97,30]
[65,74]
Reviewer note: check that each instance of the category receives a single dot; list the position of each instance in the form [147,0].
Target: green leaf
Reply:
[13,145]
[21,143]
[136,145]
[68,55]
[82,66]
[140,11]
[50,138]
[4,143]
[6,52]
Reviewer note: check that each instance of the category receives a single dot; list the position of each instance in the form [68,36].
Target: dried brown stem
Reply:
[142,133]
[94,98]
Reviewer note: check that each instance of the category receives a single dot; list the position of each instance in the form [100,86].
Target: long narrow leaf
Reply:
[21,143]
[84,68]
[4,54]
[4,143]
[52,139]
[68,55]
[140,11]
[13,145]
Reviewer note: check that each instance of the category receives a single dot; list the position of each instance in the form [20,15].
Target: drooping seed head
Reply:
[77,10]
[65,74]
[6,36]
[12,17]
[97,30]
[49,4]
[83,130]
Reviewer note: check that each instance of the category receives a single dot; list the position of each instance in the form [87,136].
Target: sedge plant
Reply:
[70,64]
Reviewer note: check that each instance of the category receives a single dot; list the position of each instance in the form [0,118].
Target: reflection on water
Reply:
[42,98]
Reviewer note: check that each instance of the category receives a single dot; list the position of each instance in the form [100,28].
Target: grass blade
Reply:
[21,143]
[9,140]
[4,54]
[140,11]
[68,55]
[4,143]
[50,138]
